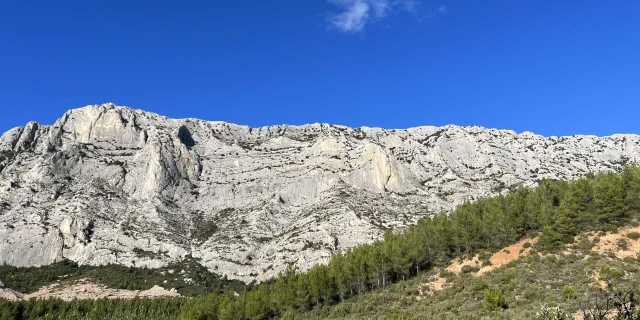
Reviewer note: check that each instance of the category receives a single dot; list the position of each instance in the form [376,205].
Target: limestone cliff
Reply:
[108,184]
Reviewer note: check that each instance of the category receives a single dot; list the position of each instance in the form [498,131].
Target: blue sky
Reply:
[551,67]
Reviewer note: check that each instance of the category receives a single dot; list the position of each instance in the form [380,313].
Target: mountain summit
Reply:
[112,185]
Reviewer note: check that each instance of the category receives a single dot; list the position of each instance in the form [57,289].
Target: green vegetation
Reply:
[164,309]
[380,280]
[633,235]
[564,281]
[494,299]
[568,292]
[623,244]
[187,277]
[204,231]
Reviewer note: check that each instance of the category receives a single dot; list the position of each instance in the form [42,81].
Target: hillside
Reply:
[568,279]
[531,282]
[572,245]
[112,185]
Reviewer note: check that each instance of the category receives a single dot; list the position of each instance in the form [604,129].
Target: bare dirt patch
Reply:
[435,283]
[456,266]
[507,255]
[502,257]
[609,242]
[598,282]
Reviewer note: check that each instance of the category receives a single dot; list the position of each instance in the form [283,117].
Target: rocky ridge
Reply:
[108,184]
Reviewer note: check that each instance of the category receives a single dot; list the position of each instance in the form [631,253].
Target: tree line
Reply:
[557,210]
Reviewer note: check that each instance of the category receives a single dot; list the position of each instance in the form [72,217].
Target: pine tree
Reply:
[609,200]
[257,304]
[577,203]
[631,182]
[341,275]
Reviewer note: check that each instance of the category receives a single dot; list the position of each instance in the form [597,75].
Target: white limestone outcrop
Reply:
[108,184]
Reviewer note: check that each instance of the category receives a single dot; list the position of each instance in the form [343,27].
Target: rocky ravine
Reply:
[108,184]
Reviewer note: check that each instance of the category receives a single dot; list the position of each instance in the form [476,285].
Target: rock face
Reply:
[108,184]
[84,290]
[8,294]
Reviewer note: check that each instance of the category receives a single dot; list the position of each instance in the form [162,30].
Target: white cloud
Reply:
[355,14]
[380,7]
[442,9]
[411,6]
[353,19]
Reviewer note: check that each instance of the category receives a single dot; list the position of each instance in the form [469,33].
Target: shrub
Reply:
[446,274]
[494,299]
[608,274]
[633,235]
[549,313]
[623,244]
[584,244]
[568,292]
[485,258]
[469,269]
[527,245]
[204,230]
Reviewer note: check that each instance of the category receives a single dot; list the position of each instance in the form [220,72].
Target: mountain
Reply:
[112,185]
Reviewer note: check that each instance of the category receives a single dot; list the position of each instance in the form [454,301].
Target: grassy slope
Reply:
[528,284]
